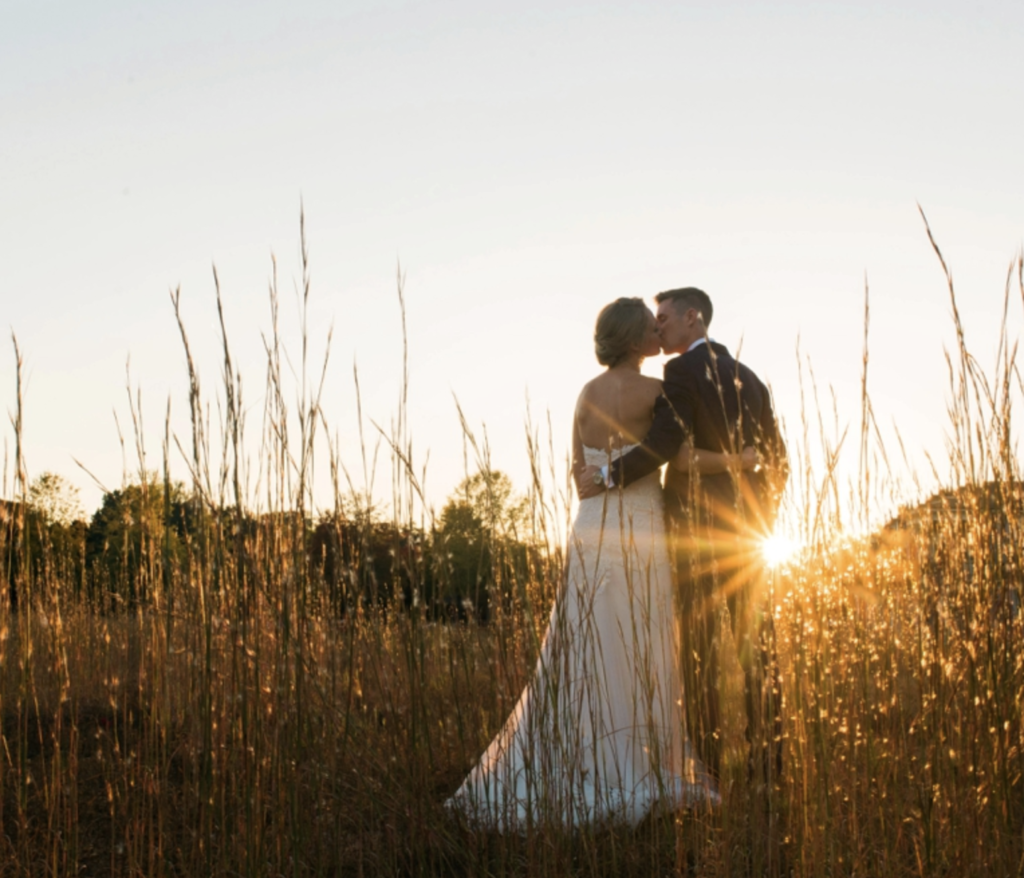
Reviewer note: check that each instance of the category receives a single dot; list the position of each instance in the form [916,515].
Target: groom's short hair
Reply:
[689,297]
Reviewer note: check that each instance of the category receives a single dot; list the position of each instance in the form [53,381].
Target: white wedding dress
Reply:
[599,733]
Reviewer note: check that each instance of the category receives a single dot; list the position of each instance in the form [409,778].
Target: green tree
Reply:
[131,535]
[478,537]
[55,499]
[491,500]
[45,541]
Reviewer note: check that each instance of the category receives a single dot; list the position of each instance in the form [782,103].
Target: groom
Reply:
[716,521]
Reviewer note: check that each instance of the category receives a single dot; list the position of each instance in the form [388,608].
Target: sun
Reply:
[778,549]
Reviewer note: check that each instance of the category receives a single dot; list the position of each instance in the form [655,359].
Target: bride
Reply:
[600,732]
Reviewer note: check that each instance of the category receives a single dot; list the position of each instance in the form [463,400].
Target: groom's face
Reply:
[676,326]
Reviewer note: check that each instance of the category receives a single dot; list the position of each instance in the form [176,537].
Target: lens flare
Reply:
[778,549]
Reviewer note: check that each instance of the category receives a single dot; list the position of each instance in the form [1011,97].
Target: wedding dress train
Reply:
[599,733]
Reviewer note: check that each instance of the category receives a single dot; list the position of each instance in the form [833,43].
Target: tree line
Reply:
[150,538]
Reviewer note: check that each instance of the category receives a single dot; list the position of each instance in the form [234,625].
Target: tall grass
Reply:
[215,706]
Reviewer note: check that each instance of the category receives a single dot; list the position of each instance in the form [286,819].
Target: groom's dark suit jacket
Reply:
[721,405]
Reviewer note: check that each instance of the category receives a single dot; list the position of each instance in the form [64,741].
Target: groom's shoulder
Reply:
[748,375]
[674,368]
[676,363]
[683,364]
[753,384]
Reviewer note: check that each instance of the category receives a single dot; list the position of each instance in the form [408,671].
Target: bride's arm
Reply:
[700,460]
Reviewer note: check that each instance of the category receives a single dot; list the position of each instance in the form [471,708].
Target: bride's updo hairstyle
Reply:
[620,327]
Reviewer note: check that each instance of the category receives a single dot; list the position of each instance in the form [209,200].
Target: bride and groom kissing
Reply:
[601,731]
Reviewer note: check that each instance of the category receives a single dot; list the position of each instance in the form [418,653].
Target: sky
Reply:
[521,164]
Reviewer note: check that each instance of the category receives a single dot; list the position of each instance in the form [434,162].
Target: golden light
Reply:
[778,549]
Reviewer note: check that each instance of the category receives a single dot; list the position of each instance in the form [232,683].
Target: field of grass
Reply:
[209,709]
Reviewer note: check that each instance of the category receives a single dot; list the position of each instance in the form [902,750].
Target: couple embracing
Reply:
[601,733]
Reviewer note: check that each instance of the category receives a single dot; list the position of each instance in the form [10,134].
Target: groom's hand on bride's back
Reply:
[586,486]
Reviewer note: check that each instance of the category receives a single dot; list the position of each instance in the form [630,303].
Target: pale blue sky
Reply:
[526,163]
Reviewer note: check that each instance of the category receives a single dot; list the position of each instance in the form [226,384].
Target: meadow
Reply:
[233,681]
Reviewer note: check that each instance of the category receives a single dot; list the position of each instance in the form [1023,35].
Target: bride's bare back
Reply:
[616,408]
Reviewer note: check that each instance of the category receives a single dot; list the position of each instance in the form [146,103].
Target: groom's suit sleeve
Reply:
[673,420]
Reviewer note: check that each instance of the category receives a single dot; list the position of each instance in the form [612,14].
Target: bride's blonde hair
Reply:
[620,325]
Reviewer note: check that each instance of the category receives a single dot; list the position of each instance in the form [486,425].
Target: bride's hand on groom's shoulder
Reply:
[586,487]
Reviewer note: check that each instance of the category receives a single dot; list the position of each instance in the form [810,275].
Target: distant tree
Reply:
[490,498]
[42,541]
[364,561]
[131,535]
[55,499]
[477,541]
